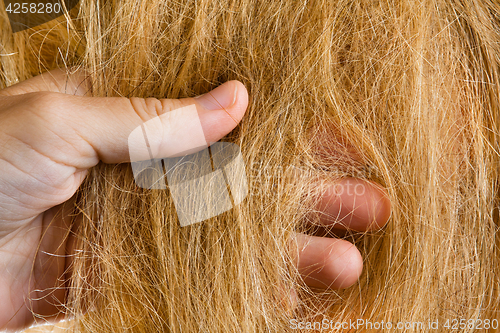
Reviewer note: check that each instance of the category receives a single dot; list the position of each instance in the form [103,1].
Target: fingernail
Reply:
[222,97]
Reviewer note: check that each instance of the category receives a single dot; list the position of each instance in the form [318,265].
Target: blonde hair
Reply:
[413,85]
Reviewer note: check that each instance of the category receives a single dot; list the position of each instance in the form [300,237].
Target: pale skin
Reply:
[51,134]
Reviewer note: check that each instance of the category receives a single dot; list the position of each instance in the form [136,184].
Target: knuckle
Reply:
[46,103]
[35,106]
[147,108]
[47,110]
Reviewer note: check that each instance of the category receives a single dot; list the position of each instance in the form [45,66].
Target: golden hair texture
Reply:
[412,85]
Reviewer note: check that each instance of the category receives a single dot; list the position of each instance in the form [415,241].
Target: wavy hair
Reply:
[413,85]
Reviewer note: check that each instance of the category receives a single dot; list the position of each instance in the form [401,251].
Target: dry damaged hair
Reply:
[413,85]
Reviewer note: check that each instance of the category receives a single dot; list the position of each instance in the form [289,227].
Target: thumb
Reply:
[138,129]
[115,129]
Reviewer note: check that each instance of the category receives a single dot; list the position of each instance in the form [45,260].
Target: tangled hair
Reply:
[413,85]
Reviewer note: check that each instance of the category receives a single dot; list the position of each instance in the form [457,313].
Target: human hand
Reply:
[348,204]
[50,139]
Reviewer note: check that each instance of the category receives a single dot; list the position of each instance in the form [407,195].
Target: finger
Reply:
[352,204]
[327,262]
[99,128]
[348,204]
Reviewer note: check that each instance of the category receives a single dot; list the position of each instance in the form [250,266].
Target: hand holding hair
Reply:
[51,134]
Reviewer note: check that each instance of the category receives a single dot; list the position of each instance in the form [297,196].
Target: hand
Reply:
[50,138]
[349,204]
[342,206]
[48,141]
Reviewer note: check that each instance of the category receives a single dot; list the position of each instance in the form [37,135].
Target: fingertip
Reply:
[346,264]
[240,103]
[327,263]
[382,207]
[221,113]
[371,207]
